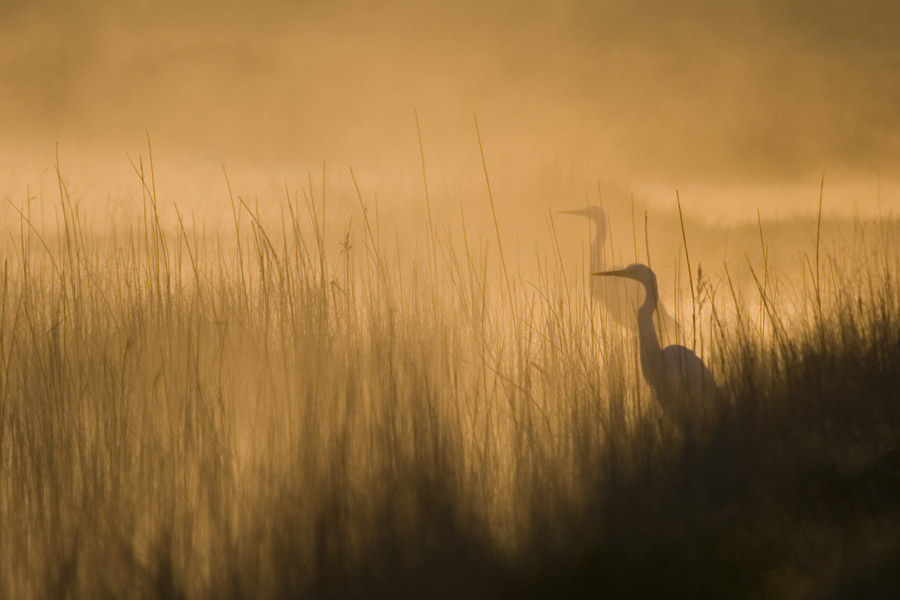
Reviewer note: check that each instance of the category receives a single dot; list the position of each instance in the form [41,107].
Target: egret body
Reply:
[681,383]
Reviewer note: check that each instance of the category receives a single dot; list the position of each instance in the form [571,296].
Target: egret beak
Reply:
[612,273]
[580,212]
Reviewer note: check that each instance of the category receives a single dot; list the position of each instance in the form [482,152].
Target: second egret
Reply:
[619,299]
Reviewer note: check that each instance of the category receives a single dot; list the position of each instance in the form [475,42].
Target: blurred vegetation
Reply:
[184,417]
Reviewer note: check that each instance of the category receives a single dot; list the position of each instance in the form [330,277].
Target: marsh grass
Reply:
[186,417]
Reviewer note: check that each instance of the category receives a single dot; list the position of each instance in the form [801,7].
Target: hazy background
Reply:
[740,105]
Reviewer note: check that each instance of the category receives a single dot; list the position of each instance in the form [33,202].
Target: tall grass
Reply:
[182,416]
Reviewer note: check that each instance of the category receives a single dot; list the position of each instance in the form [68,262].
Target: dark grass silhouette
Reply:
[281,423]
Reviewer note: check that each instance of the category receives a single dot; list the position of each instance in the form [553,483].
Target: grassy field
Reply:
[188,416]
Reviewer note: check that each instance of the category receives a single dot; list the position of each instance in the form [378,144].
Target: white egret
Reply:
[618,298]
[682,384]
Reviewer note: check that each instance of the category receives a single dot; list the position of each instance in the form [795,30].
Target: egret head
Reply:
[592,212]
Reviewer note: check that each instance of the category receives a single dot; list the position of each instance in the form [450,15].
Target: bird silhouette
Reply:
[618,298]
[682,384]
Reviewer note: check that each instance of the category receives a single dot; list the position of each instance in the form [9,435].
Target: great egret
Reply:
[618,298]
[682,384]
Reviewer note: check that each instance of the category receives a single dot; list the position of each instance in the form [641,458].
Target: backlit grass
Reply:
[264,416]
